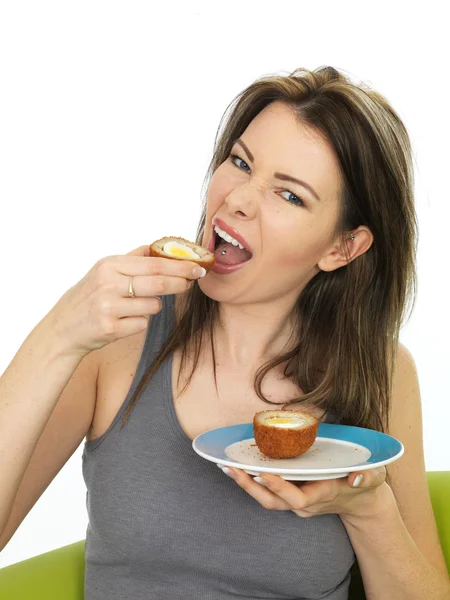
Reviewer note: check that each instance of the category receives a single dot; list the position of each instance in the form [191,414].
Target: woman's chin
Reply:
[211,289]
[220,289]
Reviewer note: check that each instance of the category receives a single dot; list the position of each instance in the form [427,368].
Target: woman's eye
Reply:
[292,198]
[241,164]
[238,162]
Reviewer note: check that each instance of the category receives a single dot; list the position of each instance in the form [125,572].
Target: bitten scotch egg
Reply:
[284,433]
[181,249]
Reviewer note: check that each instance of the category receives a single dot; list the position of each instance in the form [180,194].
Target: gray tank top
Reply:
[165,523]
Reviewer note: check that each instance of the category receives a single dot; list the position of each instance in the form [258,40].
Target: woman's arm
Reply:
[29,391]
[398,549]
[392,566]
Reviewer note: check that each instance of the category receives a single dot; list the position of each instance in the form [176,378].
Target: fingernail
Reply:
[358,480]
[198,272]
[229,472]
[261,481]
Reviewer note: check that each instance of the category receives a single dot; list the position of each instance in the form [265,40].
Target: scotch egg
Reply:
[181,249]
[284,433]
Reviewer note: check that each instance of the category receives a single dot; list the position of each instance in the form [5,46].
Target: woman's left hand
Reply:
[311,498]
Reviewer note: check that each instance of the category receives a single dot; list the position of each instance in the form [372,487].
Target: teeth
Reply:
[224,235]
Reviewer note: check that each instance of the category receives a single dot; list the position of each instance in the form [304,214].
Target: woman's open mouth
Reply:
[230,256]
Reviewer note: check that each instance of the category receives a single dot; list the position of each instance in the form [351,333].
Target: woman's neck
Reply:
[251,334]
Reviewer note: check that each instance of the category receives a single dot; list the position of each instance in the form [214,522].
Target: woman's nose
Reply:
[246,197]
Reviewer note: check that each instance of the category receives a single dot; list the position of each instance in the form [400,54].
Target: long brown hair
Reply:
[350,318]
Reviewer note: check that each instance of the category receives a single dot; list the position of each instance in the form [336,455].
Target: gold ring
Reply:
[130,288]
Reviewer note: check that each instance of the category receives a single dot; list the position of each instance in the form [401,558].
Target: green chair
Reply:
[59,574]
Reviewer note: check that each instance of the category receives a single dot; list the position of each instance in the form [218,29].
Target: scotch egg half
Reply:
[284,433]
[181,249]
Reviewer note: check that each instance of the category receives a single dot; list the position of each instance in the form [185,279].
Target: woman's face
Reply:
[287,228]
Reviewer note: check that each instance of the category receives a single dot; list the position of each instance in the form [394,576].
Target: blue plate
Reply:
[337,451]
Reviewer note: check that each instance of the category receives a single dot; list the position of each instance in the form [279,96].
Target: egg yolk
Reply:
[180,251]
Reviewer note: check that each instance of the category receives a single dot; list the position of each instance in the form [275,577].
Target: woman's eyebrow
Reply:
[284,177]
[244,146]
[281,176]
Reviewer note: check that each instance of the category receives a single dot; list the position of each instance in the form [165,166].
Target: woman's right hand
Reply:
[97,310]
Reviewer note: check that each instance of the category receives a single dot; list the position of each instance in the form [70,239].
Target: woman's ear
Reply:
[344,251]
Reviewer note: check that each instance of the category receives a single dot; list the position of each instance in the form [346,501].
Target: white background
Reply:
[108,112]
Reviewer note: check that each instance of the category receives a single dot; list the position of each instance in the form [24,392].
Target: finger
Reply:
[367,479]
[130,326]
[265,497]
[151,265]
[136,307]
[300,498]
[155,286]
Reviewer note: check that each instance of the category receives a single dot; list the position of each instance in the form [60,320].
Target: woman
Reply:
[312,175]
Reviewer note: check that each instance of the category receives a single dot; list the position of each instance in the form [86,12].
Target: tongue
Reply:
[233,254]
